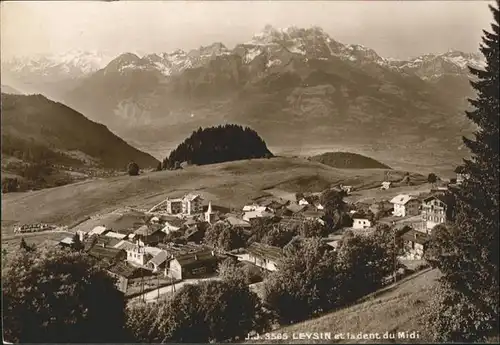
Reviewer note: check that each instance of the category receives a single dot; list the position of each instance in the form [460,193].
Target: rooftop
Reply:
[105,252]
[115,235]
[123,269]
[202,256]
[402,199]
[265,251]
[415,236]
[159,258]
[238,222]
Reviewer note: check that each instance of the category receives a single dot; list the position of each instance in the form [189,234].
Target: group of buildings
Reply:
[414,216]
[149,248]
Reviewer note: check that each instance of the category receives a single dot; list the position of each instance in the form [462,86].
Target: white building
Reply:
[98,230]
[436,210]
[264,256]
[138,255]
[303,202]
[257,214]
[385,185]
[361,223]
[405,205]
[192,204]
[188,205]
[115,235]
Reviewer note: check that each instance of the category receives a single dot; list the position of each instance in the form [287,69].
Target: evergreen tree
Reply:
[468,257]
[24,246]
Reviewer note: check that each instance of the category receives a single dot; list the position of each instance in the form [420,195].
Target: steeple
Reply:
[209,214]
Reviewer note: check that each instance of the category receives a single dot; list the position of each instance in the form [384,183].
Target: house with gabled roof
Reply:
[405,205]
[199,263]
[437,209]
[158,262]
[414,244]
[264,256]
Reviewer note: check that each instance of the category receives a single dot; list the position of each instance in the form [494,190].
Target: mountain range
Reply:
[295,86]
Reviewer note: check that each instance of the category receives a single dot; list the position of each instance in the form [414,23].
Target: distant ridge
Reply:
[347,160]
[10,90]
[37,130]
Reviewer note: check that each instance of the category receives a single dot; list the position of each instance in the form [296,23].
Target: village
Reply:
[153,252]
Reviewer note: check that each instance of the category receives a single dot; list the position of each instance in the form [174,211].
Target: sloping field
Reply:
[397,308]
[228,184]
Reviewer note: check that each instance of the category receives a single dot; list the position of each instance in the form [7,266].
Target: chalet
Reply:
[275,205]
[385,185]
[138,255]
[334,241]
[264,256]
[125,245]
[439,190]
[361,223]
[313,215]
[123,273]
[111,255]
[414,244]
[98,230]
[115,235]
[104,241]
[346,189]
[437,209]
[238,223]
[194,234]
[295,208]
[172,224]
[192,264]
[66,242]
[249,208]
[381,209]
[405,205]
[158,262]
[261,212]
[303,202]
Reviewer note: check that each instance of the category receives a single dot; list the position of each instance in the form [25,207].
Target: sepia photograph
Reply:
[260,172]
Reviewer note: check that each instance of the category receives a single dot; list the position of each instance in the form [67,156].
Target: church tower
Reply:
[209,215]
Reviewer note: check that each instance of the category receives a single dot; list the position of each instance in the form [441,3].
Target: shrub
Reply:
[133,169]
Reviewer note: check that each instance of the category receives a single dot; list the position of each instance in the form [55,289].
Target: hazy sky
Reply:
[394,29]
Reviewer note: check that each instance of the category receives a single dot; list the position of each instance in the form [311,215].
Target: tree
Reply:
[336,216]
[133,169]
[159,167]
[211,311]
[222,236]
[364,262]
[77,243]
[10,185]
[305,284]
[469,257]
[432,178]
[70,299]
[229,271]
